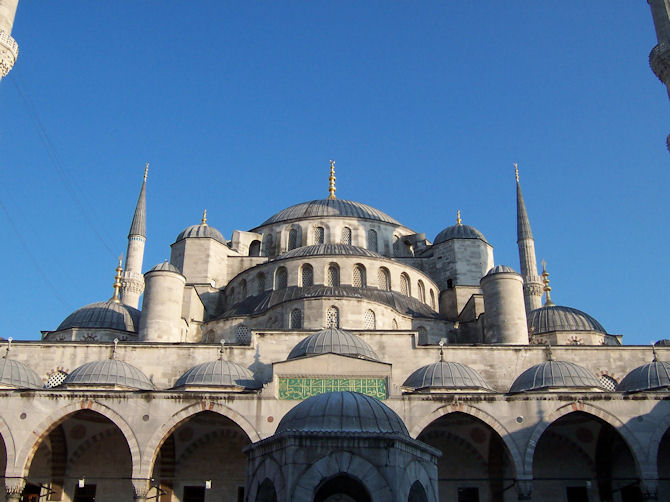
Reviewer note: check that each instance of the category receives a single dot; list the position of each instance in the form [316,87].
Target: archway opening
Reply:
[663,460]
[581,457]
[475,463]
[84,456]
[202,457]
[342,488]
[3,462]
[417,493]
[266,492]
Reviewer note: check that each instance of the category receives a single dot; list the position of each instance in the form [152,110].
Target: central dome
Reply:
[330,207]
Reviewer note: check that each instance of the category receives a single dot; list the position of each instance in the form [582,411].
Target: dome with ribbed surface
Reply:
[219,373]
[555,374]
[333,341]
[109,372]
[446,375]
[201,231]
[329,207]
[16,374]
[459,232]
[500,269]
[328,249]
[165,267]
[109,315]
[556,318]
[652,376]
[348,412]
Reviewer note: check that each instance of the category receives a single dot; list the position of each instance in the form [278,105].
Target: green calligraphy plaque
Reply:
[298,388]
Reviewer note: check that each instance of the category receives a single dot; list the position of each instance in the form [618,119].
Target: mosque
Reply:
[331,354]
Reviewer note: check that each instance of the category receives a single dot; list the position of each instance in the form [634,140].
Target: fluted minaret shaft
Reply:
[9,49]
[133,280]
[659,57]
[532,284]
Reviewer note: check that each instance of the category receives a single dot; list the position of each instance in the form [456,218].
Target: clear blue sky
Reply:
[424,105]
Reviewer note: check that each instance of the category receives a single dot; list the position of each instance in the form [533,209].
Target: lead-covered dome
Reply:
[446,375]
[652,376]
[219,373]
[201,231]
[555,374]
[328,249]
[165,267]
[346,411]
[459,231]
[329,207]
[18,375]
[501,269]
[110,315]
[333,341]
[109,372]
[557,318]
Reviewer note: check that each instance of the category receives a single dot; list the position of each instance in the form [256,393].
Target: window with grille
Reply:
[369,320]
[423,335]
[396,245]
[268,243]
[608,382]
[384,279]
[55,379]
[260,283]
[422,291]
[333,276]
[307,275]
[432,299]
[242,334]
[346,236]
[295,322]
[394,324]
[333,317]
[319,235]
[372,240]
[404,284]
[292,239]
[359,277]
[281,278]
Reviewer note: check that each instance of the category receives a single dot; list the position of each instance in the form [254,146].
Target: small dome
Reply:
[109,372]
[165,267]
[16,374]
[328,249]
[346,411]
[652,376]
[333,341]
[219,373]
[501,269]
[329,207]
[201,231]
[553,374]
[459,232]
[446,375]
[663,343]
[109,315]
[557,318]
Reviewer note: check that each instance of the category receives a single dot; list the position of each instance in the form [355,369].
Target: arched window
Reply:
[260,283]
[306,275]
[423,335]
[295,321]
[372,240]
[417,493]
[404,284]
[359,279]
[346,236]
[422,291]
[293,239]
[318,235]
[242,335]
[369,320]
[243,290]
[394,324]
[268,244]
[255,248]
[384,279]
[281,278]
[396,245]
[333,317]
[432,299]
[333,275]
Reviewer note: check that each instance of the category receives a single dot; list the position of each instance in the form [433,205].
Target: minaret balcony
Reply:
[9,52]
[659,60]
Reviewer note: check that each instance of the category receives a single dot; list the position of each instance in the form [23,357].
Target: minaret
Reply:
[532,285]
[133,280]
[9,49]
[659,57]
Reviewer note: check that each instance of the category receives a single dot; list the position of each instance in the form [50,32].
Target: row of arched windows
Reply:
[332,319]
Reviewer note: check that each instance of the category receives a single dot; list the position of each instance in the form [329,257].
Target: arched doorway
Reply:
[84,457]
[266,492]
[580,457]
[417,493]
[663,460]
[475,464]
[202,458]
[342,488]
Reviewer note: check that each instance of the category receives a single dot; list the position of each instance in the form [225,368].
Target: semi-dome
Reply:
[446,375]
[557,318]
[107,315]
[201,231]
[328,249]
[652,376]
[329,207]
[555,374]
[500,269]
[344,411]
[165,267]
[459,231]
[109,372]
[16,374]
[333,341]
[219,373]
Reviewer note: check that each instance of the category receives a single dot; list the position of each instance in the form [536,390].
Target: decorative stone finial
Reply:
[117,281]
[331,179]
[442,350]
[9,346]
[204,217]
[116,342]
[547,288]
[221,349]
[146,171]
[653,351]
[458,218]
[516,171]
[550,356]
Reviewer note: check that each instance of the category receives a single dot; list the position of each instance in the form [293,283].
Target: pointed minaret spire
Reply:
[532,286]
[133,280]
[331,179]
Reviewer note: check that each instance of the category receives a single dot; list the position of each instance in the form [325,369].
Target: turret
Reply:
[133,281]
[9,49]
[504,306]
[162,305]
[532,285]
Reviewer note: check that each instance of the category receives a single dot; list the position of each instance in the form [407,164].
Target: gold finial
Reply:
[331,179]
[458,217]
[516,171]
[550,356]
[204,217]
[146,171]
[117,282]
[116,342]
[547,288]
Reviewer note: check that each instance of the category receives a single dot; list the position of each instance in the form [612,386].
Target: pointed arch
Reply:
[8,438]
